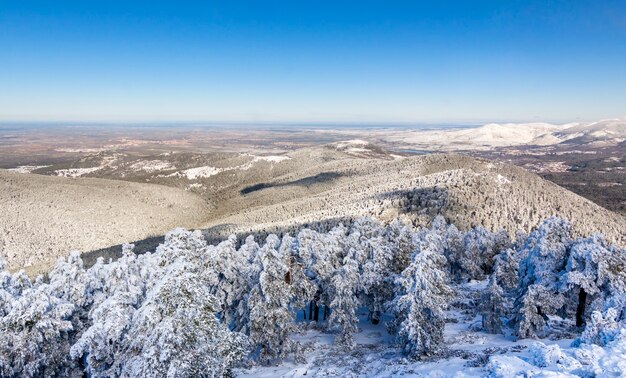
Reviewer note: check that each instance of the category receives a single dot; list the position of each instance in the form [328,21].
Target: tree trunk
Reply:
[316,314]
[375,317]
[580,310]
[326,310]
[311,310]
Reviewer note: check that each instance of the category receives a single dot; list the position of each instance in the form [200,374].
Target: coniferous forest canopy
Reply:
[193,309]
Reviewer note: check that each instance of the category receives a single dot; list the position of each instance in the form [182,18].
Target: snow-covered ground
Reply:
[27,168]
[76,172]
[271,158]
[554,166]
[151,165]
[471,352]
[200,172]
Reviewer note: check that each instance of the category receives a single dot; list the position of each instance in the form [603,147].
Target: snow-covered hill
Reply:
[495,135]
[600,133]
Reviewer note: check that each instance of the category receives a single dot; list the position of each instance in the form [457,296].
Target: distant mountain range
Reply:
[608,132]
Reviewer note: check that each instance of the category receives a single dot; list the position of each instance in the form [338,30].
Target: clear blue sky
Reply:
[352,61]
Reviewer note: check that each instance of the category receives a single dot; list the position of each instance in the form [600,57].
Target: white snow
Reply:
[502,180]
[76,172]
[256,159]
[351,143]
[200,172]
[27,168]
[195,185]
[554,166]
[151,165]
[272,159]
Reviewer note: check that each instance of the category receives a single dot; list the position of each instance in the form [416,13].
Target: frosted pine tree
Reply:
[35,336]
[250,264]
[321,255]
[594,271]
[454,251]
[302,287]
[271,318]
[423,298]
[402,242]
[491,306]
[345,302]
[546,251]
[506,269]
[176,332]
[373,257]
[226,271]
[102,345]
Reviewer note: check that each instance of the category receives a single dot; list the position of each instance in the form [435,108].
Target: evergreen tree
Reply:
[422,299]
[271,317]
[546,251]
[492,306]
[344,302]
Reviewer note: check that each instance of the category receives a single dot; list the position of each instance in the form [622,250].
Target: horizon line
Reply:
[217,123]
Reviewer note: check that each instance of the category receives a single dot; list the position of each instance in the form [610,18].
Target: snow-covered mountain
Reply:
[494,135]
[608,131]
[605,132]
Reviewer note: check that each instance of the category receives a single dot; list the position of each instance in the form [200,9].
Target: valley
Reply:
[267,179]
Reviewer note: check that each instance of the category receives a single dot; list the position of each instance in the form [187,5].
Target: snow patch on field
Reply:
[195,185]
[502,180]
[201,172]
[76,172]
[555,166]
[27,168]
[151,166]
[271,159]
[356,149]
[256,159]
[351,143]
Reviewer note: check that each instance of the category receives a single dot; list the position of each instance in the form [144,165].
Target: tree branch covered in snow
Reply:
[193,309]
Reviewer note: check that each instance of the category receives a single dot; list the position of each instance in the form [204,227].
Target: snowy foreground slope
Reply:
[472,353]
[364,299]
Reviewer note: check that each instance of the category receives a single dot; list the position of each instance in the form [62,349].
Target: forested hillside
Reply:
[193,309]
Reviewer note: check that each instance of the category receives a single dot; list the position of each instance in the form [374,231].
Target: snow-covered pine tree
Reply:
[373,256]
[594,272]
[320,255]
[226,271]
[601,328]
[345,302]
[422,298]
[176,332]
[506,269]
[35,335]
[251,267]
[454,251]
[402,241]
[302,287]
[101,345]
[491,306]
[271,318]
[546,251]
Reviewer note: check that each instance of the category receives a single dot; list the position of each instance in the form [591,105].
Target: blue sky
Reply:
[312,61]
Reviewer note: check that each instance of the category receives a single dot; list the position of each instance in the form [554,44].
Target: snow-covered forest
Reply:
[191,309]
